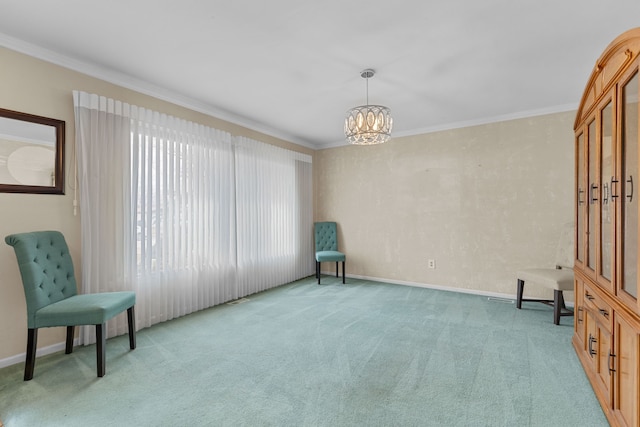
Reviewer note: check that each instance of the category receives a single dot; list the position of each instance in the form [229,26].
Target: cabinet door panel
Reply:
[581,196]
[604,350]
[592,195]
[626,391]
[579,317]
[629,197]
[607,170]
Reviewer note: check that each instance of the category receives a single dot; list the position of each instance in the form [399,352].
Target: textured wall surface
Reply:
[482,201]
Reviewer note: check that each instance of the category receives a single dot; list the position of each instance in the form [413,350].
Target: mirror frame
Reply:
[59,126]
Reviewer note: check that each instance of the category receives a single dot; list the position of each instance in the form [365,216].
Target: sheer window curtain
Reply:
[185,215]
[103,129]
[274,216]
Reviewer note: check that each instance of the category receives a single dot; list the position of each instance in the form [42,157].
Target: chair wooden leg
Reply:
[70,333]
[342,272]
[519,293]
[558,303]
[30,362]
[101,343]
[318,271]
[131,317]
[336,268]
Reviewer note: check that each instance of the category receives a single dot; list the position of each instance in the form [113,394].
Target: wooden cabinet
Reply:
[607,321]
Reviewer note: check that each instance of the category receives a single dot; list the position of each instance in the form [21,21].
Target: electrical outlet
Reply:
[431,263]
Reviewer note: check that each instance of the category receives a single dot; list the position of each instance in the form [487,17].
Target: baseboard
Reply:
[20,358]
[436,287]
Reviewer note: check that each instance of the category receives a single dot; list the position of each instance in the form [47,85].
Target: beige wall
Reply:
[482,201]
[33,86]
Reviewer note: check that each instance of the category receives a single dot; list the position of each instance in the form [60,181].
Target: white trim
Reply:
[138,85]
[435,287]
[468,123]
[493,119]
[20,358]
[146,88]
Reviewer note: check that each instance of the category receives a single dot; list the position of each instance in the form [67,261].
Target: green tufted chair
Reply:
[52,297]
[326,237]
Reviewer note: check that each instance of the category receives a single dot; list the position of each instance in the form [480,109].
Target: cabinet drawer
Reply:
[596,305]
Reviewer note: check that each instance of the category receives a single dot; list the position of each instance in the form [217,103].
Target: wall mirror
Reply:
[31,153]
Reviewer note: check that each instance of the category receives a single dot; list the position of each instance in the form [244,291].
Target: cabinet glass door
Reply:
[606,205]
[581,195]
[628,179]
[592,192]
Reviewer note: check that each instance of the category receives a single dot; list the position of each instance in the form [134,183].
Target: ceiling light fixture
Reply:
[368,124]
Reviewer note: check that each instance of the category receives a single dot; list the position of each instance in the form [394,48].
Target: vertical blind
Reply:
[185,215]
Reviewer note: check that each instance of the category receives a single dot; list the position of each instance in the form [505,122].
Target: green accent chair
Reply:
[326,237]
[52,298]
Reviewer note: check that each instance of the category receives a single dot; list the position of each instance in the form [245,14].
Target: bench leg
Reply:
[558,305]
[342,271]
[519,293]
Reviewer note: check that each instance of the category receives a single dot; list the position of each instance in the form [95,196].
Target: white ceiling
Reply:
[291,68]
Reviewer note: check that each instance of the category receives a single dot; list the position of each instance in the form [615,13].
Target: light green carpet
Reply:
[360,354]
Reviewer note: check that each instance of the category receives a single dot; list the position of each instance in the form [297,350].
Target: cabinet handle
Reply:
[592,340]
[589,296]
[613,181]
[611,362]
[580,201]
[579,313]
[604,312]
[630,182]
[605,194]
[592,198]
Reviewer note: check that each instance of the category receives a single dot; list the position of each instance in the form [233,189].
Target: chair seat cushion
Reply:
[560,279]
[86,309]
[323,256]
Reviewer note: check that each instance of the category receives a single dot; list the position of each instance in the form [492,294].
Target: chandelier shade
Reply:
[368,124]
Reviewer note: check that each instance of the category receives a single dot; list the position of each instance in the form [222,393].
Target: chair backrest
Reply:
[565,250]
[46,269]
[326,236]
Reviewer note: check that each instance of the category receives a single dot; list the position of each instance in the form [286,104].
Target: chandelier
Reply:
[368,124]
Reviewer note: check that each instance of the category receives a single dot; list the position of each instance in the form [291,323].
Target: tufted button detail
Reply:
[326,237]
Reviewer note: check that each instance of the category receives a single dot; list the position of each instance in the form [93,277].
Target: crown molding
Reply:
[468,123]
[132,83]
[126,81]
